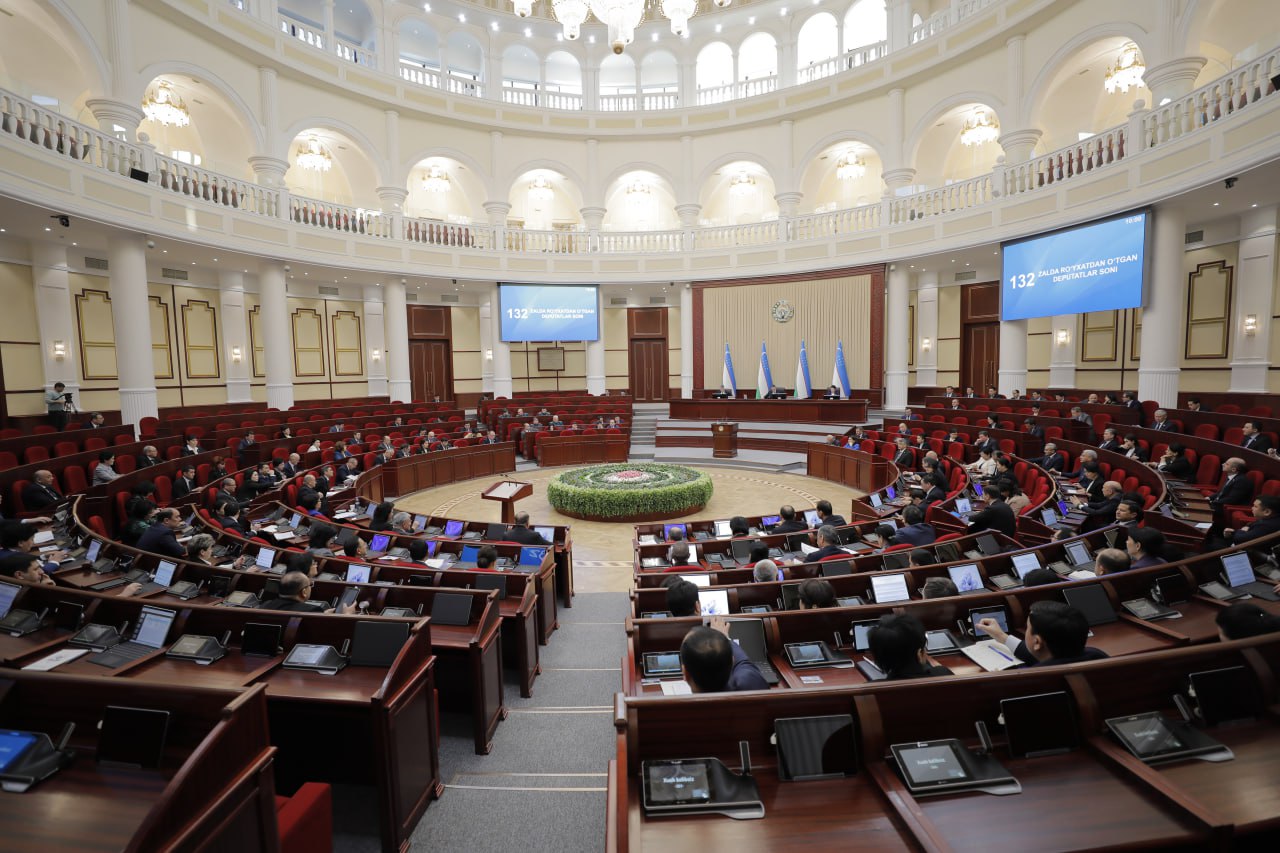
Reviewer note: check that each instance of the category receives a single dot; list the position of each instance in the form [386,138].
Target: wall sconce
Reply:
[59,350]
[1251,324]
[926,344]
[236,355]
[488,355]
[376,355]
[1064,337]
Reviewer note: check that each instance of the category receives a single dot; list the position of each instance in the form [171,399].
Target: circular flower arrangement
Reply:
[629,491]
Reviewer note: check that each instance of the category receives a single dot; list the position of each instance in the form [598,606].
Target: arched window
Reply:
[819,41]
[866,23]
[465,60]
[757,65]
[618,82]
[659,81]
[714,73]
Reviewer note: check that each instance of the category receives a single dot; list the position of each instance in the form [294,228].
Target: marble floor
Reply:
[602,551]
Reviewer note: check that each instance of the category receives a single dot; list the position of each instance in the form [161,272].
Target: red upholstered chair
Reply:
[95,443]
[164,489]
[10,433]
[126,463]
[66,448]
[173,452]
[123,438]
[8,460]
[73,480]
[35,453]
[1229,409]
[98,526]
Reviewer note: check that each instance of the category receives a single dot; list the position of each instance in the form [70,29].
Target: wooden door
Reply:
[980,356]
[649,370]
[429,369]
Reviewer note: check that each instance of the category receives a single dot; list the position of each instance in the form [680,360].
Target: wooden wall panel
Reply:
[308,343]
[200,341]
[1209,293]
[348,344]
[97,335]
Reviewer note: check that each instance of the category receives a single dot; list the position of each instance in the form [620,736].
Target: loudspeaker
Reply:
[139,175]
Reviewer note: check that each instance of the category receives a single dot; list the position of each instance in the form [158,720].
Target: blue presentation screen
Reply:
[1095,267]
[532,312]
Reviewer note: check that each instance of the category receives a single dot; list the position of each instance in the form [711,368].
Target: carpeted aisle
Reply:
[542,788]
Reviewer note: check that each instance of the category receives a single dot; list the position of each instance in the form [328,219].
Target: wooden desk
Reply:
[792,411]
[414,473]
[558,448]
[866,472]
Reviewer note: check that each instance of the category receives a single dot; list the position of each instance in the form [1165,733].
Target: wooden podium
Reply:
[724,440]
[508,492]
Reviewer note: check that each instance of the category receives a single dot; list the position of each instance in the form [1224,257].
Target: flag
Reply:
[764,379]
[839,373]
[802,375]
[727,379]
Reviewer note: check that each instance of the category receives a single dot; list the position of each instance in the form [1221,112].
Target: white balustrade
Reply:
[437,233]
[819,226]
[464,86]
[868,53]
[520,97]
[729,236]
[562,100]
[353,52]
[50,130]
[760,86]
[618,103]
[418,75]
[194,182]
[1076,159]
[716,94]
[646,242]
[819,69]
[961,195]
[302,32]
[339,217]
[1235,91]
[547,242]
[660,100]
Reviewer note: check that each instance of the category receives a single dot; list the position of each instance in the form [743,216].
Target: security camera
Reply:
[287,268]
[1228,183]
[63,219]
[151,244]
[404,281]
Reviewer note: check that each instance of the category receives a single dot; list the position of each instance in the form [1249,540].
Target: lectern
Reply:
[508,492]
[724,440]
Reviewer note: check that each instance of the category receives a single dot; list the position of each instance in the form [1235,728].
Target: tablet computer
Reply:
[1043,724]
[380,542]
[676,783]
[377,643]
[896,560]
[1025,562]
[1092,601]
[358,574]
[816,747]
[987,544]
[890,588]
[947,552]
[803,655]
[714,602]
[966,578]
[1225,695]
[862,633]
[660,664]
[260,638]
[978,614]
[1078,554]
[1154,737]
[453,528]
[932,765]
[13,746]
[132,737]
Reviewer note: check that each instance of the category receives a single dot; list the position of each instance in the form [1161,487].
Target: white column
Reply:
[487,309]
[899,24]
[1251,360]
[501,350]
[268,168]
[53,315]
[1173,79]
[375,341]
[927,329]
[895,338]
[595,351]
[277,335]
[1158,358]
[396,319]
[130,314]
[686,341]
[1013,357]
[235,336]
[1062,356]
[330,37]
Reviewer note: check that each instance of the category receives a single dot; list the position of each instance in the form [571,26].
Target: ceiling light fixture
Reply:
[436,180]
[980,129]
[850,167]
[162,104]
[1127,72]
[620,16]
[540,189]
[639,187]
[313,156]
[742,184]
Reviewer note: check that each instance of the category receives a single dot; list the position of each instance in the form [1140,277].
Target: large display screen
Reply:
[535,312]
[1096,267]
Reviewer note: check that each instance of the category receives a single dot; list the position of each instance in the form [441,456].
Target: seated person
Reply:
[321,535]
[227,514]
[1266,520]
[828,542]
[485,558]
[161,536]
[723,394]
[679,555]
[1109,561]
[789,523]
[1145,547]
[921,557]
[24,567]
[419,551]
[1056,634]
[915,530]
[200,550]
[775,393]
[833,393]
[766,570]
[937,587]
[356,548]
[897,646]
[682,597]
[1243,620]
[738,527]
[295,594]
[817,593]
[381,520]
[522,533]
[1040,577]
[1174,463]
[1129,447]
[105,471]
[759,551]
[712,663]
[41,492]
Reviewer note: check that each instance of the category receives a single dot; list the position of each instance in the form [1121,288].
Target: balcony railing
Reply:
[93,150]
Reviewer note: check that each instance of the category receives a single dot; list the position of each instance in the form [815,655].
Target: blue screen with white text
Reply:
[549,312]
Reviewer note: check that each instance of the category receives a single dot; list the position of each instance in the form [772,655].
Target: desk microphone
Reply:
[744,753]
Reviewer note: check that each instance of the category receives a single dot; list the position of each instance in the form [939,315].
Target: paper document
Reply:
[806,548]
[676,688]
[990,655]
[44,536]
[56,659]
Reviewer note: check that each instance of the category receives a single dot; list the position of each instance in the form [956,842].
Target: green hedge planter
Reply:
[629,491]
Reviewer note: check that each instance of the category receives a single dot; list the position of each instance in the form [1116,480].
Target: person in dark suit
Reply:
[1266,521]
[524,534]
[228,515]
[1236,490]
[1077,414]
[1109,440]
[1253,439]
[96,421]
[950,391]
[40,492]
[243,446]
[1129,447]
[1160,421]
[712,663]
[1130,400]
[914,530]
[723,394]
[1051,461]
[1086,455]
[775,393]
[192,447]
[185,483]
[1091,481]
[160,537]
[1101,511]
[1033,428]
[897,646]
[904,458]
[985,441]
[828,543]
[996,516]
[789,523]
[1175,464]
[292,465]
[1057,633]
[937,491]
[825,513]
[1194,405]
[149,457]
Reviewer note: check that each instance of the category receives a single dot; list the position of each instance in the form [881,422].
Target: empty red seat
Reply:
[35,453]
[95,443]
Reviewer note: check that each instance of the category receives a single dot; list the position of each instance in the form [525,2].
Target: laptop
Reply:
[162,579]
[721,529]
[419,523]
[380,542]
[101,565]
[896,560]
[713,602]
[749,635]
[660,664]
[836,568]
[449,608]
[667,528]
[149,636]
[769,521]
[489,580]
[947,552]
[811,518]
[12,621]
[531,557]
[495,532]
[963,507]
[1091,600]
[1049,517]
[377,643]
[741,550]
[265,558]
[1237,573]
[1078,555]
[547,533]
[467,557]
[890,588]
[358,574]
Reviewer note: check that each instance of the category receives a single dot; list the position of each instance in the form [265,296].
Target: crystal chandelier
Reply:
[850,167]
[164,105]
[436,180]
[980,129]
[620,16]
[742,184]
[638,187]
[1127,72]
[313,156]
[540,189]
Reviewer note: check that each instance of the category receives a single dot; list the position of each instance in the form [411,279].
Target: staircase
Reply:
[644,427]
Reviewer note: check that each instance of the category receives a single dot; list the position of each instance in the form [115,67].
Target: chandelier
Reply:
[850,167]
[742,184]
[638,187]
[313,156]
[620,16]
[980,129]
[436,180]
[1127,72]
[164,105]
[540,189]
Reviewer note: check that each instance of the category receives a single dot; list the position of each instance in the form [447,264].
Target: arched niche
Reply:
[738,193]
[544,199]
[844,174]
[640,200]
